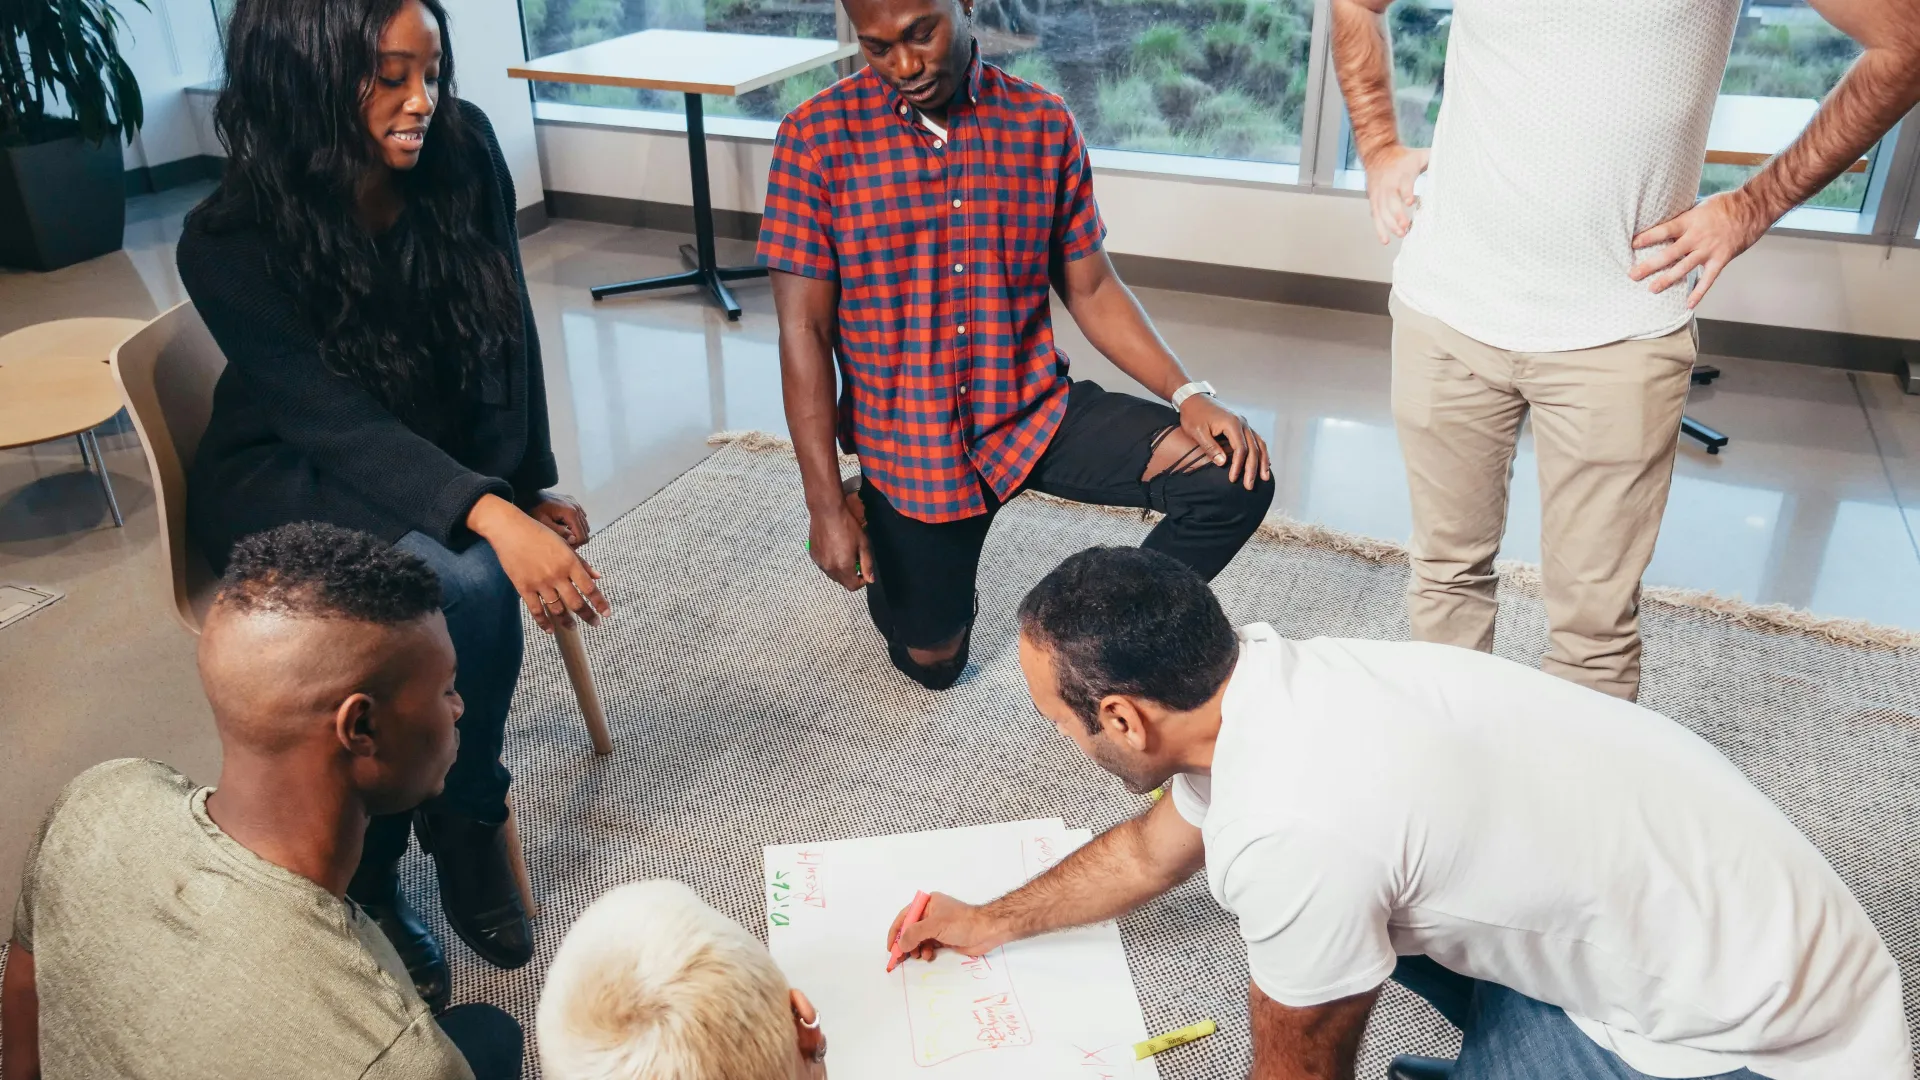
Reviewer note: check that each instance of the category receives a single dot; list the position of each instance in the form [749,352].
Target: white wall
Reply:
[652,166]
[486,39]
[171,47]
[1783,281]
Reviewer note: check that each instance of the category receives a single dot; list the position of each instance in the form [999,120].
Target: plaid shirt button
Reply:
[851,200]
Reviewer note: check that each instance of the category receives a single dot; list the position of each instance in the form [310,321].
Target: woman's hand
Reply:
[556,584]
[563,514]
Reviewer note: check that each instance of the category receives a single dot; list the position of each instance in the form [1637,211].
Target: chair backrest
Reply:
[167,371]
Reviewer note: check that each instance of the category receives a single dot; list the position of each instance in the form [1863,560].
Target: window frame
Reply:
[1892,203]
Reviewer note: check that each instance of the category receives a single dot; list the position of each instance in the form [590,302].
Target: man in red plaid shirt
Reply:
[917,214]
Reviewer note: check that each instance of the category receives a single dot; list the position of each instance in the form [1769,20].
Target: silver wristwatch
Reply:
[1181,395]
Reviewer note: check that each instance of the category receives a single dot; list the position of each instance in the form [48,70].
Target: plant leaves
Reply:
[61,59]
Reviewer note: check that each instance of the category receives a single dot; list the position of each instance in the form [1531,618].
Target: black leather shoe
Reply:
[477,887]
[1408,1067]
[376,889]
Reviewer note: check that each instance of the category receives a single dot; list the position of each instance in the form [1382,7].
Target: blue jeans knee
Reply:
[482,609]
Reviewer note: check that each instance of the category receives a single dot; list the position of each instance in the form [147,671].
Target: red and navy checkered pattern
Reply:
[941,248]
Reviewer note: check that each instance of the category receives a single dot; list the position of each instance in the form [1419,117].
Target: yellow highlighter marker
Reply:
[1181,1037]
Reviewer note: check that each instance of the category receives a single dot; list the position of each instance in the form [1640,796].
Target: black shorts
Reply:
[926,570]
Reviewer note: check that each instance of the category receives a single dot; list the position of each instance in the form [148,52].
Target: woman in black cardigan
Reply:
[359,267]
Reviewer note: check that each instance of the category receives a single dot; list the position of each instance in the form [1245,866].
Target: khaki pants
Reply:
[1606,422]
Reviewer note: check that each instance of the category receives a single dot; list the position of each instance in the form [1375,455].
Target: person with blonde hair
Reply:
[652,984]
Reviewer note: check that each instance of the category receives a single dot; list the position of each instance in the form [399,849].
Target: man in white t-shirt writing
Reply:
[1586,887]
[1570,135]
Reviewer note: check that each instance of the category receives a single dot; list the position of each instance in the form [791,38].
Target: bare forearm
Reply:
[1873,95]
[807,310]
[1116,872]
[807,390]
[1362,60]
[1321,1042]
[20,1017]
[1113,320]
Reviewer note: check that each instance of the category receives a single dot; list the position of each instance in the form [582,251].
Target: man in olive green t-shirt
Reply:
[166,930]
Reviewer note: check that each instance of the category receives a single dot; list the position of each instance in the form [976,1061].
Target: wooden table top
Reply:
[686,61]
[56,378]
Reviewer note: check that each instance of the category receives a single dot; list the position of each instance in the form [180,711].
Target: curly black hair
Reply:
[297,153]
[317,570]
[1122,620]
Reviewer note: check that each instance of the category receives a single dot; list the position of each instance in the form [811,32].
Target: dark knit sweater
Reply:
[289,440]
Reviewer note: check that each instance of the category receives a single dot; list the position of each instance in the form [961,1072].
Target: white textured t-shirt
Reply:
[1370,800]
[1566,127]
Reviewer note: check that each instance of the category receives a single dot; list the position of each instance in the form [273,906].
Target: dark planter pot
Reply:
[61,202]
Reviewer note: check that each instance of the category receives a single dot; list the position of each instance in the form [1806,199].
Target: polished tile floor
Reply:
[1816,504]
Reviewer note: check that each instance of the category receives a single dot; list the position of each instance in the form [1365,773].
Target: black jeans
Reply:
[488,1038]
[923,592]
[483,618]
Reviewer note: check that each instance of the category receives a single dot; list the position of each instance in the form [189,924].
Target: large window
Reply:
[1785,58]
[558,25]
[1233,80]
[1204,78]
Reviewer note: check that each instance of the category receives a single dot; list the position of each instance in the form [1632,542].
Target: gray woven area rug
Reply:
[751,704]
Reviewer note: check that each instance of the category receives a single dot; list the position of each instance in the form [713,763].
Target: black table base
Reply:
[706,271]
[1703,375]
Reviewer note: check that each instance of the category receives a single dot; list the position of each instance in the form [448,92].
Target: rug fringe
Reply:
[1525,576]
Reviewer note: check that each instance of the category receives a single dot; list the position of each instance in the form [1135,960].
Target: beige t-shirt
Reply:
[163,948]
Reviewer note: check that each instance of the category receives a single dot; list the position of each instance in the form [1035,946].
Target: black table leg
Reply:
[1706,436]
[1703,375]
[705,270]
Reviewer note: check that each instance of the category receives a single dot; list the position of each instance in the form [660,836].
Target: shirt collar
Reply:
[969,89]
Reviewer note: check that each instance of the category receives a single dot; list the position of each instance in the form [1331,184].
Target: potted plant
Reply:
[67,98]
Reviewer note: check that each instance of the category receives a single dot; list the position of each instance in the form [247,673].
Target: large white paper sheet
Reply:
[1058,1007]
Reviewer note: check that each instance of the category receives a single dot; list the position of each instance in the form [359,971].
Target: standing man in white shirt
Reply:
[1572,133]
[1587,888]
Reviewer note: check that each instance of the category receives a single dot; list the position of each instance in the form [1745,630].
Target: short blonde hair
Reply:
[652,984]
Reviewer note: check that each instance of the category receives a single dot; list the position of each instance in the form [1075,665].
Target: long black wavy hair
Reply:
[419,323]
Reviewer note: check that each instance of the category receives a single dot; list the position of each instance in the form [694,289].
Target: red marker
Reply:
[915,911]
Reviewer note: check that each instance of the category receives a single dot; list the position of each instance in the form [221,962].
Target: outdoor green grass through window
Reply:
[1209,78]
[1788,51]
[1203,78]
